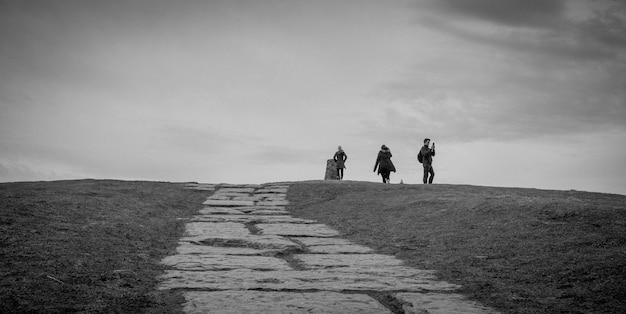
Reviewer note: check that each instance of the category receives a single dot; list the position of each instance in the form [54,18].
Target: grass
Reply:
[518,250]
[94,246]
[89,246]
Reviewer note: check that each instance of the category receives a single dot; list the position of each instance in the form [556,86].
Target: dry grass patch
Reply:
[518,250]
[89,246]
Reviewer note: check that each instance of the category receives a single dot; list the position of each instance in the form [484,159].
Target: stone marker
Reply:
[331,170]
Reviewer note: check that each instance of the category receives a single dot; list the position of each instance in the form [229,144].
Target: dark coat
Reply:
[383,161]
[340,158]
[427,155]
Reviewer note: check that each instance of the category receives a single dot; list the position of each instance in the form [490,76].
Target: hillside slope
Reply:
[519,250]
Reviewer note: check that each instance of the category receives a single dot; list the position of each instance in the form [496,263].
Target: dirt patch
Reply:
[89,246]
[518,250]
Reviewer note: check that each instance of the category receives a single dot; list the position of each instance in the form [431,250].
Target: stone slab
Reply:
[277,190]
[320,261]
[246,198]
[235,302]
[262,219]
[273,203]
[224,262]
[260,242]
[434,303]
[238,188]
[310,230]
[192,248]
[227,203]
[220,210]
[242,279]
[277,196]
[331,245]
[340,249]
[213,229]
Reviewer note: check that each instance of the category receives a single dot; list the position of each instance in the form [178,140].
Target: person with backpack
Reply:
[425,157]
[340,159]
[384,164]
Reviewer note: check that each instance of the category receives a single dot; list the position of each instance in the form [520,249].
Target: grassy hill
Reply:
[93,246]
[519,250]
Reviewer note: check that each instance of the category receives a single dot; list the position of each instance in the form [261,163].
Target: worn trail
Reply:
[244,253]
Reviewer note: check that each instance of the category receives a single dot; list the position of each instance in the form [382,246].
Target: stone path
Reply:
[244,253]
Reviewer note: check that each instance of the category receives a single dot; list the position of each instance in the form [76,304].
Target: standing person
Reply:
[425,156]
[340,159]
[384,164]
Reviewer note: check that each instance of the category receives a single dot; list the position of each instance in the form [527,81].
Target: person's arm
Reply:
[377,162]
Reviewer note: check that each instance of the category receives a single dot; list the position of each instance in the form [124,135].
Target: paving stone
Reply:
[220,211]
[263,219]
[227,203]
[267,212]
[250,209]
[260,242]
[213,229]
[277,196]
[242,279]
[331,245]
[234,302]
[274,203]
[311,230]
[319,261]
[311,241]
[224,262]
[218,197]
[434,303]
[236,189]
[340,249]
[231,193]
[193,248]
[246,198]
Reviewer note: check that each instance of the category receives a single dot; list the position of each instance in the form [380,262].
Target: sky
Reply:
[514,93]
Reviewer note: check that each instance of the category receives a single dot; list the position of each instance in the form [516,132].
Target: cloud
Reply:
[512,69]
[528,13]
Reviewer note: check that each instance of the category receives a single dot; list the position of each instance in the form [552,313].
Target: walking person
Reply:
[340,160]
[384,164]
[425,156]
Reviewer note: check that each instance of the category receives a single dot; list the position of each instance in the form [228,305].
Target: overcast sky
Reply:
[514,93]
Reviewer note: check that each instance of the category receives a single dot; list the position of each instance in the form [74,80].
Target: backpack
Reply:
[420,157]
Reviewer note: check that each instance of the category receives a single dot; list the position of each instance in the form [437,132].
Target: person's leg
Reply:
[432,175]
[340,173]
[426,169]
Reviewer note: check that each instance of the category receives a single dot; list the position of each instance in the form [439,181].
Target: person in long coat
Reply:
[340,160]
[384,164]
